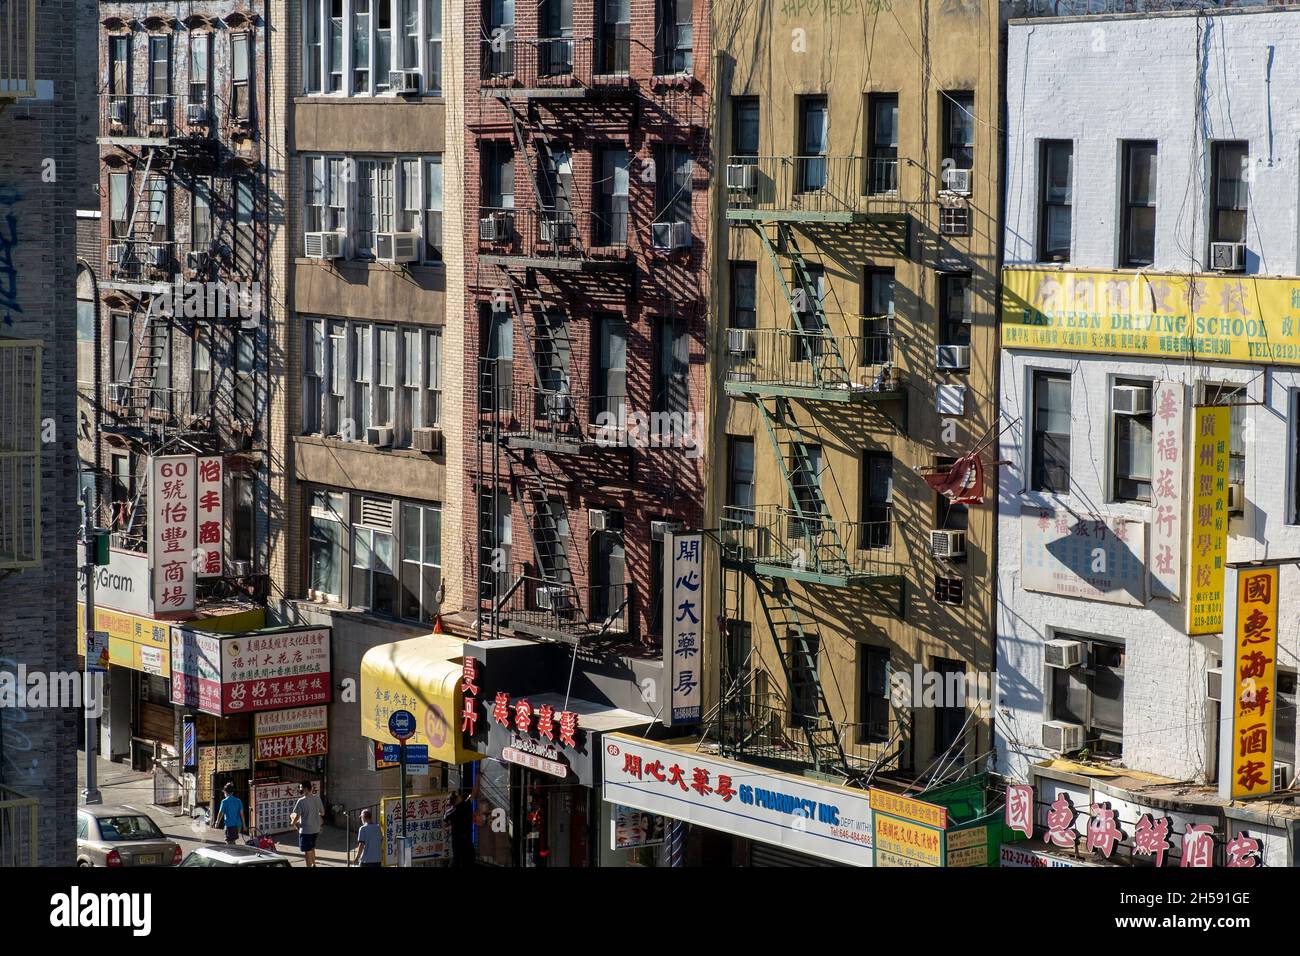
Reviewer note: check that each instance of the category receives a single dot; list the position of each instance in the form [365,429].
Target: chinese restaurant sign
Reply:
[1088,556]
[742,799]
[1226,318]
[684,610]
[1169,470]
[209,505]
[171,532]
[1208,525]
[1250,668]
[1096,831]
[423,822]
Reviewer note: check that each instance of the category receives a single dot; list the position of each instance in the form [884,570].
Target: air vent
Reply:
[377,513]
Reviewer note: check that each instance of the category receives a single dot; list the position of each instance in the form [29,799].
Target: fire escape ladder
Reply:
[548,544]
[144,365]
[811,537]
[795,649]
[817,344]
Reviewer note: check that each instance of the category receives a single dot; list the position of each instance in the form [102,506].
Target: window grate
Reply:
[954,220]
[377,513]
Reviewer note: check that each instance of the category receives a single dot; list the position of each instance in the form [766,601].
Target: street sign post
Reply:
[401,724]
[415,753]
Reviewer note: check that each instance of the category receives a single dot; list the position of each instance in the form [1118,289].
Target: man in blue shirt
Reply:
[369,851]
[230,814]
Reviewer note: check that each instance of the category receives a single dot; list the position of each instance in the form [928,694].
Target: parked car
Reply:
[233,856]
[122,836]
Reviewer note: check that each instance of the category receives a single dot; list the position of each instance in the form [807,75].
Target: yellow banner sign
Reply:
[1208,521]
[1215,318]
[904,843]
[144,643]
[929,814]
[1255,682]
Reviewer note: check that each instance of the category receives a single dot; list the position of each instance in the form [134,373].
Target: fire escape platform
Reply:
[848,577]
[847,393]
[553,263]
[552,446]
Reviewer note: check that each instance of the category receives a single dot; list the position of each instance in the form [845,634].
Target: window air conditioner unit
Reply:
[555,228]
[196,114]
[553,599]
[952,356]
[397,246]
[119,393]
[323,245]
[957,181]
[157,255]
[493,228]
[1236,498]
[598,519]
[1063,654]
[157,110]
[116,253]
[427,440]
[381,436]
[240,569]
[947,544]
[1130,400]
[1214,683]
[1283,775]
[404,82]
[670,235]
[117,112]
[1227,256]
[740,341]
[661,529]
[196,260]
[1061,737]
[741,176]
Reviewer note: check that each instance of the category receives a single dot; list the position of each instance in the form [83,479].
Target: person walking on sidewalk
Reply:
[369,847]
[230,814]
[308,816]
[459,817]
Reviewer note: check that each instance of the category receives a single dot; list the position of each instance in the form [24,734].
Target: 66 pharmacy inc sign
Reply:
[818,819]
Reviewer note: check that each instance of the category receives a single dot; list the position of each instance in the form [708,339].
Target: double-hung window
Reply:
[361,46]
[1138,236]
[1231,191]
[1050,454]
[431,409]
[740,479]
[313,378]
[877,499]
[241,70]
[433,209]
[954,309]
[433,53]
[326,548]
[873,694]
[421,533]
[882,132]
[1056,197]
[200,48]
[374,571]
[361,378]
[612,198]
[1131,418]
[385,375]
[878,315]
[674,32]
[958,130]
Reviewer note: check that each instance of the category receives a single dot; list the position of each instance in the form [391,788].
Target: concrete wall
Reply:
[37,301]
[1076,79]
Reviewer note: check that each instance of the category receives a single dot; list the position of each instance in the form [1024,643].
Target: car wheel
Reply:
[83,863]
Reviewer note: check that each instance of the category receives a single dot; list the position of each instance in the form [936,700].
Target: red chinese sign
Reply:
[209,507]
[287,746]
[171,532]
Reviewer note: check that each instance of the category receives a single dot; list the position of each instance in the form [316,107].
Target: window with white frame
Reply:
[326,548]
[367,41]
[1131,421]
[200,47]
[241,57]
[421,549]
[387,375]
[384,194]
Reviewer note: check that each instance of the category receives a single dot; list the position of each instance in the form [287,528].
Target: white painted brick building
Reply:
[1183,82]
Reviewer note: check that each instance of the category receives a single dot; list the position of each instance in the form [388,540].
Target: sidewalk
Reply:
[122,786]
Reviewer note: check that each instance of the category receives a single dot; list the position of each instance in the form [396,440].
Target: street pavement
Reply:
[120,785]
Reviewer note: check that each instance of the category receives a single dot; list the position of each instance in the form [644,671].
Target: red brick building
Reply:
[587,171]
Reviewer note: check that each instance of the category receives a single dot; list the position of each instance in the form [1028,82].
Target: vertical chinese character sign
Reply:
[171,532]
[1167,491]
[1207,539]
[208,513]
[1250,675]
[684,612]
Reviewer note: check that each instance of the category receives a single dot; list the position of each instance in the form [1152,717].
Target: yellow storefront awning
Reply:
[421,675]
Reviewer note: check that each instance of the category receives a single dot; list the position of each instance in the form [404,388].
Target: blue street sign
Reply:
[401,724]
[415,753]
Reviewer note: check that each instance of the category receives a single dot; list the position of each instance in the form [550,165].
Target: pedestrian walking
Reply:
[230,814]
[308,816]
[459,817]
[369,849]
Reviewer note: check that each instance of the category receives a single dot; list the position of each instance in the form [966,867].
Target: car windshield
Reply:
[135,827]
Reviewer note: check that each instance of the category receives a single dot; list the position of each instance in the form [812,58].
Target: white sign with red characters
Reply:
[820,819]
[275,669]
[292,746]
[209,508]
[171,532]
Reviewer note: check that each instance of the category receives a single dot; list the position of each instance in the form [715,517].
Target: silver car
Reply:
[235,855]
[121,836]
